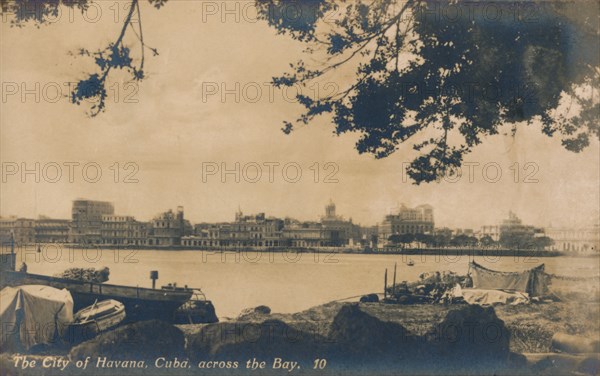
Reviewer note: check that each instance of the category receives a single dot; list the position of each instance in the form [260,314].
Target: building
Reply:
[168,228]
[338,232]
[584,240]
[253,231]
[86,221]
[7,227]
[123,230]
[406,220]
[247,231]
[22,228]
[49,230]
[206,235]
[303,234]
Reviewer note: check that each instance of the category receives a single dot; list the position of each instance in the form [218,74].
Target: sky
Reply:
[171,136]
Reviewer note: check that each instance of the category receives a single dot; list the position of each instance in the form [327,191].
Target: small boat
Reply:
[410,263]
[100,316]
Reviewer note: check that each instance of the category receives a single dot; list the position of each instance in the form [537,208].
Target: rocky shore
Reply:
[338,338]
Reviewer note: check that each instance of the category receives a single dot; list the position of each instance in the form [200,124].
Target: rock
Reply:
[196,312]
[470,335]
[252,312]
[370,298]
[144,340]
[245,340]
[564,364]
[563,342]
[589,366]
[357,335]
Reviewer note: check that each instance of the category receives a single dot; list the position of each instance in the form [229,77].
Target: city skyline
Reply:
[318,215]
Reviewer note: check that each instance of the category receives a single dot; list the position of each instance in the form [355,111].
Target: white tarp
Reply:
[33,314]
[491,297]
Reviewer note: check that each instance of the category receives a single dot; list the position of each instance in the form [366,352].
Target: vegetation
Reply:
[441,76]
[440,240]
[445,75]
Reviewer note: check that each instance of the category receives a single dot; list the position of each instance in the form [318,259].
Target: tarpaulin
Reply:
[532,282]
[33,314]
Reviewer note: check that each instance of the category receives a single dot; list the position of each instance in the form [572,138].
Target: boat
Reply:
[140,303]
[100,316]
[410,263]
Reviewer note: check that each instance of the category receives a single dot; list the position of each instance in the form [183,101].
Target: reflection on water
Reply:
[286,282]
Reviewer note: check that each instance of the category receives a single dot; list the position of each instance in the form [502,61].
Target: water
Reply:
[286,282]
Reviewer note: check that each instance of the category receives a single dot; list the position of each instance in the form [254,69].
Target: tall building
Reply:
[406,220]
[86,221]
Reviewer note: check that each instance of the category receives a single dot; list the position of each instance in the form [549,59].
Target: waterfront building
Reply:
[7,226]
[582,240]
[22,228]
[168,228]
[418,220]
[206,235]
[123,230]
[50,230]
[86,221]
[253,231]
[303,234]
[338,232]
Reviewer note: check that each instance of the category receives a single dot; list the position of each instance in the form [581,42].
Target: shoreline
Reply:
[449,252]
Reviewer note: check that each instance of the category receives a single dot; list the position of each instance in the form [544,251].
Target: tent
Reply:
[534,281]
[32,315]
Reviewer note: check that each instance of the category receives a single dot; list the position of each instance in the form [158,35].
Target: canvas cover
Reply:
[532,281]
[32,315]
[491,297]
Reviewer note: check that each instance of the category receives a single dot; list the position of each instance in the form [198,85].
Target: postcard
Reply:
[299,187]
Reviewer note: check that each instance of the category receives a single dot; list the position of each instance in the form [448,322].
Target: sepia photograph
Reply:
[299,187]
